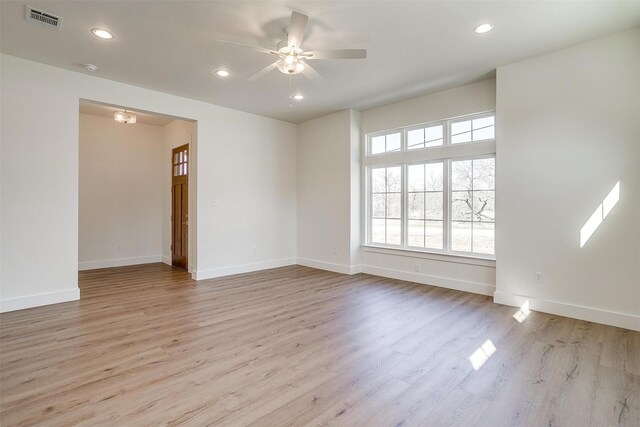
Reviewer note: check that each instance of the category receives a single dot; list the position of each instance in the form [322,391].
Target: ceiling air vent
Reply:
[43,17]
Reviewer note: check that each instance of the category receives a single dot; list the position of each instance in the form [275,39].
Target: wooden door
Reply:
[180,206]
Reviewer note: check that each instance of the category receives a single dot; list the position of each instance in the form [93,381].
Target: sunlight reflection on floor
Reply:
[523,312]
[482,354]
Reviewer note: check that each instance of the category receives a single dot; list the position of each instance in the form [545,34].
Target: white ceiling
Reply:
[103,110]
[414,47]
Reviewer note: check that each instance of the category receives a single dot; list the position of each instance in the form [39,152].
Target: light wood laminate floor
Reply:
[146,345]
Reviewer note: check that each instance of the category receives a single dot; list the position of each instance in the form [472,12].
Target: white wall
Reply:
[447,271]
[356,188]
[175,134]
[461,100]
[324,192]
[568,129]
[245,181]
[120,193]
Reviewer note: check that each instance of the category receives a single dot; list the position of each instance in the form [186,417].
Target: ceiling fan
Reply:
[292,59]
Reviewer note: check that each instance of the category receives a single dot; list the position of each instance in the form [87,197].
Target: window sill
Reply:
[455,258]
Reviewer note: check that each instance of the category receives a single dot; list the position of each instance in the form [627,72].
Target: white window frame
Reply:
[406,130]
[445,209]
[450,176]
[467,118]
[369,195]
[445,153]
[385,133]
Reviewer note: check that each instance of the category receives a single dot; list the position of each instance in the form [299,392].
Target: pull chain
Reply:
[290,93]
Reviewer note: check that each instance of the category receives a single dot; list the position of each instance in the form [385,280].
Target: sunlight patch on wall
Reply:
[482,354]
[600,214]
[522,312]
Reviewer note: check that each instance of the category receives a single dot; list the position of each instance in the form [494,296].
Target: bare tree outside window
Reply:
[473,205]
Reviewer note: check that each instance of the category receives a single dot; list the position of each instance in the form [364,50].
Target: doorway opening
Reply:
[134,181]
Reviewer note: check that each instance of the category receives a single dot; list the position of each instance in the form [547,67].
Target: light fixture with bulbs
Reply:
[292,62]
[483,28]
[298,97]
[222,73]
[124,117]
[103,34]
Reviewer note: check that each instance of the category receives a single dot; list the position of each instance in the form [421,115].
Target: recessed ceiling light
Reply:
[483,28]
[103,34]
[90,67]
[222,73]
[298,97]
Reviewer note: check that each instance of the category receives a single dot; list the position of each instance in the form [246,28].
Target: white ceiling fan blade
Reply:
[336,54]
[264,71]
[310,73]
[296,29]
[259,49]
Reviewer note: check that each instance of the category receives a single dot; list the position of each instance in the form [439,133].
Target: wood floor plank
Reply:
[146,345]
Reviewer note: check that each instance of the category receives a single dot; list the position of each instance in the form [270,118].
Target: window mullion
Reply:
[472,215]
[404,226]
[404,223]
[446,205]
[369,211]
[424,206]
[386,200]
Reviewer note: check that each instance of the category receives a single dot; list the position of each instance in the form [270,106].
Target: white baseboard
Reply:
[166,260]
[238,269]
[596,315]
[442,282]
[120,262]
[328,266]
[20,303]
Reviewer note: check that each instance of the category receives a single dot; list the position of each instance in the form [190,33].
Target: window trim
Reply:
[445,153]
[412,253]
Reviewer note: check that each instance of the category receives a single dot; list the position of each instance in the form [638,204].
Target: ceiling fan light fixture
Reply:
[291,68]
[483,28]
[124,117]
[291,58]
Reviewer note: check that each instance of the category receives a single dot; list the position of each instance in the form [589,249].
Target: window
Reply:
[472,130]
[386,205]
[425,200]
[473,205]
[386,143]
[180,163]
[424,137]
[432,187]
